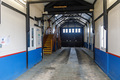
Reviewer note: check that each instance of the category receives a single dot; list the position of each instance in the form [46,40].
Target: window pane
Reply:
[76,30]
[66,30]
[32,37]
[69,30]
[72,30]
[79,30]
[63,30]
[102,38]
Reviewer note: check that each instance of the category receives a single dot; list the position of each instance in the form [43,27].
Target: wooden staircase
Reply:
[50,41]
[48,44]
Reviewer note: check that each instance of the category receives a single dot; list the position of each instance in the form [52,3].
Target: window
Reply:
[29,39]
[32,37]
[102,38]
[79,30]
[21,2]
[69,30]
[63,30]
[66,30]
[76,30]
[72,30]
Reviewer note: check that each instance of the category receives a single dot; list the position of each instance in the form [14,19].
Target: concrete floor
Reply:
[65,64]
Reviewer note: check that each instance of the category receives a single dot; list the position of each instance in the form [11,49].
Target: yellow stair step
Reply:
[47,48]
[47,53]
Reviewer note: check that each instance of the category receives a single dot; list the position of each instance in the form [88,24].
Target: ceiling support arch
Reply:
[72,17]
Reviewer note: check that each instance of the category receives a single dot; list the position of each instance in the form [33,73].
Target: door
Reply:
[72,36]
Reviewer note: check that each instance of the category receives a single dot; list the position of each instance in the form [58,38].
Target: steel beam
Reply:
[71,16]
[88,15]
[72,8]
[69,20]
[50,5]
[93,26]
[84,2]
[69,12]
[51,17]
[112,6]
[57,19]
[94,2]
[105,19]
[73,21]
[27,31]
[45,1]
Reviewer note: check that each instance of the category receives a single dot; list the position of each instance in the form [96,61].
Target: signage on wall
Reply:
[5,40]
[39,39]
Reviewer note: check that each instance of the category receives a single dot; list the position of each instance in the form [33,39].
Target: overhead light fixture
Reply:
[22,2]
[56,15]
[60,6]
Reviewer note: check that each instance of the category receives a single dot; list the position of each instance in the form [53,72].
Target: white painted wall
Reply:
[88,34]
[114,30]
[110,2]
[85,34]
[98,24]
[13,27]
[98,8]
[16,5]
[113,26]
[91,34]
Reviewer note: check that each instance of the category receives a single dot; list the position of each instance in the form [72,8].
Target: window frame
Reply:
[102,38]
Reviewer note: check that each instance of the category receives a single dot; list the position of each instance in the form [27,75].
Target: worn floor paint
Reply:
[65,64]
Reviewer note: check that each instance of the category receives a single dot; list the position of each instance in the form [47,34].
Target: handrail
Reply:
[44,39]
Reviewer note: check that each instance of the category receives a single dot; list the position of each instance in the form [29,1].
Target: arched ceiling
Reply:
[71,24]
[81,18]
[68,10]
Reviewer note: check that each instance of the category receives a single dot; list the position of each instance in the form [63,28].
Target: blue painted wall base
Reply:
[110,64]
[114,67]
[34,57]
[13,66]
[101,59]
[86,44]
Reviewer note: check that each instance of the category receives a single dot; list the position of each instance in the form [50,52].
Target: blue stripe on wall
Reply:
[114,67]
[34,57]
[101,59]
[86,44]
[110,64]
[13,66]
[90,46]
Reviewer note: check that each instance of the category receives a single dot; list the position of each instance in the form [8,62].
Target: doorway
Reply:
[72,36]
